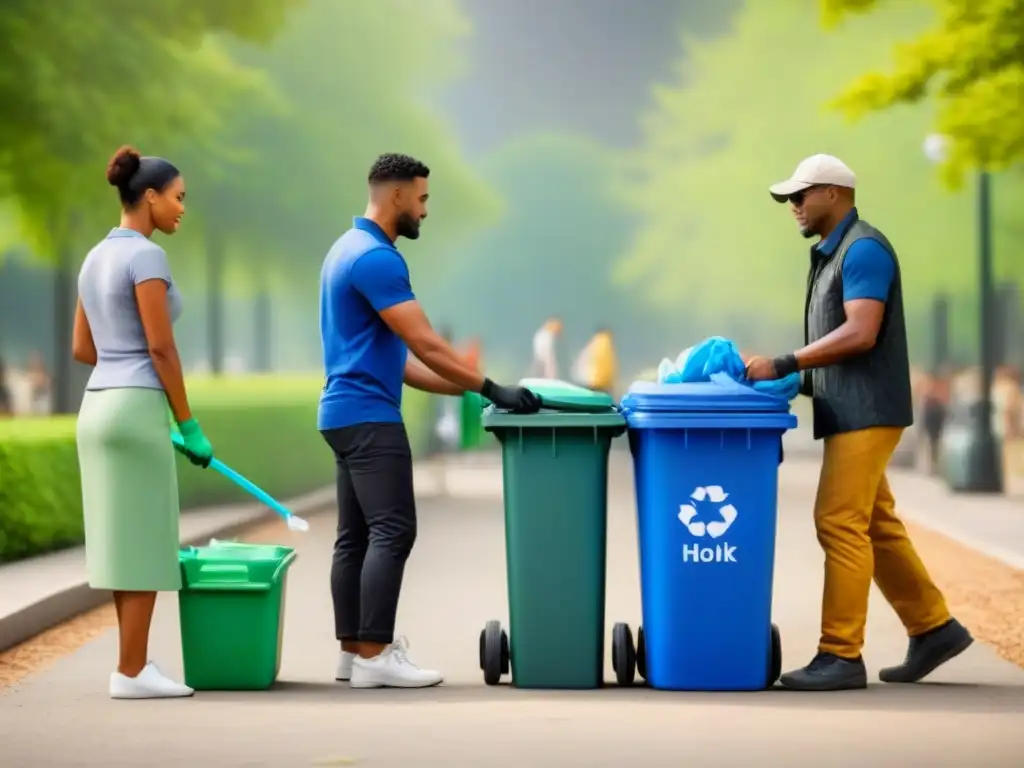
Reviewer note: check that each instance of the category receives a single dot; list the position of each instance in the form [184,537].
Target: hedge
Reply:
[265,427]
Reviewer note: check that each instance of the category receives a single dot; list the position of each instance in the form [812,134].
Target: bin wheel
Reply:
[641,653]
[775,661]
[505,655]
[494,655]
[623,654]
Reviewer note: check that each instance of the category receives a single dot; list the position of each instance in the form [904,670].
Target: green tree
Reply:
[971,59]
[77,79]
[738,116]
[350,75]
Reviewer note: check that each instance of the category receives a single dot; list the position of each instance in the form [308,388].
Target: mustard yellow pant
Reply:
[855,517]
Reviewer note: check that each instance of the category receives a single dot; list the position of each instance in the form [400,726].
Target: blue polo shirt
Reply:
[868,268]
[364,360]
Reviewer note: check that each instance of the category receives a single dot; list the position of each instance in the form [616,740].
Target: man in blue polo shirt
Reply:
[856,369]
[369,320]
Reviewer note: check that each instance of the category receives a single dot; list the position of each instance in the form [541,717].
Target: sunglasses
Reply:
[797,198]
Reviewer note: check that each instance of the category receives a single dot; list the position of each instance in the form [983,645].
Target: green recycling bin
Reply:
[555,468]
[470,420]
[471,431]
[231,610]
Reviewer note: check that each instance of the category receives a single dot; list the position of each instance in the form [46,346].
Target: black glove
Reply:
[515,399]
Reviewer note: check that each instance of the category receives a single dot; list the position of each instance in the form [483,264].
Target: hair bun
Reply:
[122,166]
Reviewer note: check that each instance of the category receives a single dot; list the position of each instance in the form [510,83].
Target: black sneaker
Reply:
[929,651]
[828,672]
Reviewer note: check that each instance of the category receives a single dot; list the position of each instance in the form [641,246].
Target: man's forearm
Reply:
[845,341]
[418,376]
[444,362]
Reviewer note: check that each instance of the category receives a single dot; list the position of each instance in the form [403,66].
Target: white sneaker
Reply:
[148,684]
[392,669]
[344,673]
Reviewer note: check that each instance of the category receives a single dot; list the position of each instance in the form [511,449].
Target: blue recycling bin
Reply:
[706,458]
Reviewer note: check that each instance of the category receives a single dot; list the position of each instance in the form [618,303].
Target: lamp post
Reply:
[984,470]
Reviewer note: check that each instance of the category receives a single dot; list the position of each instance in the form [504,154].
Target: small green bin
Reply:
[471,431]
[231,609]
[555,469]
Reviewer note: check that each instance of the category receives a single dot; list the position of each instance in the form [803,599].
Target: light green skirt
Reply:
[129,490]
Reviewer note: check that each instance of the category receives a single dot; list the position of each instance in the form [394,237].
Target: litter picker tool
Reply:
[294,523]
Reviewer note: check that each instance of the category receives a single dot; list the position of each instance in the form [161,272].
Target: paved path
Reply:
[969,715]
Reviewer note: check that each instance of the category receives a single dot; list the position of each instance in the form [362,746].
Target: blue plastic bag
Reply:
[716,355]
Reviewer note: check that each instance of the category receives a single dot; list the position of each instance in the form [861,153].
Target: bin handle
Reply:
[556,404]
[285,562]
[226,583]
[229,586]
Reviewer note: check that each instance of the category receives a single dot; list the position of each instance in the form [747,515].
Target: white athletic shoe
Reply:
[150,683]
[392,669]
[344,673]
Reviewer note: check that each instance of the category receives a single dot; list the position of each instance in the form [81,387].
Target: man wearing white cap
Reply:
[856,370]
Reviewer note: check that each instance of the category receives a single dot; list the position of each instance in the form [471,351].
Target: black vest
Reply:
[871,389]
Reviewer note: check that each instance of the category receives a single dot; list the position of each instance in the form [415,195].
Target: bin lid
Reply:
[720,394]
[562,396]
[563,405]
[233,566]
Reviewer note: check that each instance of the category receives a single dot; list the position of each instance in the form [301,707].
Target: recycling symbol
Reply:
[715,495]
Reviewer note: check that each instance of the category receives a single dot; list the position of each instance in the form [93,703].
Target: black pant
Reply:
[376,528]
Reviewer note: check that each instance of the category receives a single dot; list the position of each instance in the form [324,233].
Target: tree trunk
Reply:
[215,300]
[262,331]
[68,380]
[63,321]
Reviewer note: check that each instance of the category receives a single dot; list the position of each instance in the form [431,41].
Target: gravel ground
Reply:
[986,595]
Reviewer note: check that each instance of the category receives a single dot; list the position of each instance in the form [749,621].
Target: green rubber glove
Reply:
[197,448]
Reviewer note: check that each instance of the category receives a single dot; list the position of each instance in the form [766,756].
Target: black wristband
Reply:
[784,365]
[487,389]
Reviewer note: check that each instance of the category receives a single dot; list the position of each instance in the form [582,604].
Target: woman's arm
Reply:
[83,348]
[151,296]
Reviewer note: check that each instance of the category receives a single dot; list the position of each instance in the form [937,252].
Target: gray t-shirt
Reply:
[106,286]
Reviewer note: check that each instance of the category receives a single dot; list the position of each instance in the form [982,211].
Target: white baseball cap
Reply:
[816,169]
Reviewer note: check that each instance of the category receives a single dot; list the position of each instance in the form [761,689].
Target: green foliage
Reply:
[40,501]
[263,427]
[274,127]
[78,79]
[972,59]
[350,75]
[417,412]
[739,115]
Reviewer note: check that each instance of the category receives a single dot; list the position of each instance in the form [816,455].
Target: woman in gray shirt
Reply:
[127,302]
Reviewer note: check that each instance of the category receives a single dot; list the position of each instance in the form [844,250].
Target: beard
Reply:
[810,229]
[407,226]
